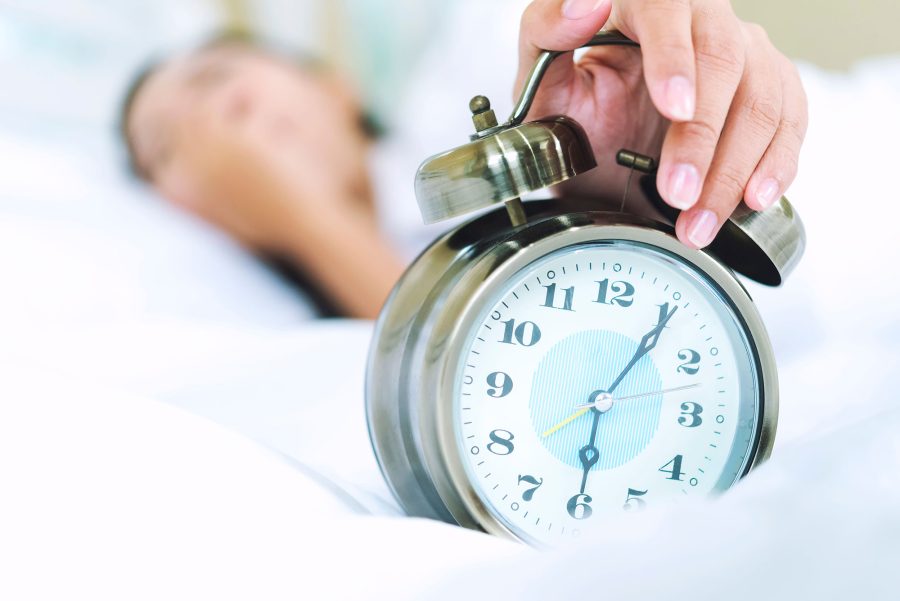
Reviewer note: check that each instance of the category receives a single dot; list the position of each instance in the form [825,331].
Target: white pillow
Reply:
[81,243]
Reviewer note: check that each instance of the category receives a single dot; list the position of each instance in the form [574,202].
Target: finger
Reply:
[663,28]
[778,166]
[689,146]
[748,132]
[557,25]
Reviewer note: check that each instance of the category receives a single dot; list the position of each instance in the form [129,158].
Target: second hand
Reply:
[584,407]
[641,395]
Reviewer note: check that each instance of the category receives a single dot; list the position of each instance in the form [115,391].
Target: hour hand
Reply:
[589,455]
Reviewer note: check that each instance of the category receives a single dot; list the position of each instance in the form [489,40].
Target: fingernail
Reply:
[684,186]
[767,193]
[701,227]
[680,98]
[579,9]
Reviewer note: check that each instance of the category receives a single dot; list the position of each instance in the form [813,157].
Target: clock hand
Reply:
[589,453]
[613,400]
[567,421]
[608,402]
[647,344]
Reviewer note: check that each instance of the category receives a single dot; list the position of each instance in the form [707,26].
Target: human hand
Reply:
[708,94]
[267,180]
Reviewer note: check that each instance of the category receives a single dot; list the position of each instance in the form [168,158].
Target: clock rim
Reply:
[425,322]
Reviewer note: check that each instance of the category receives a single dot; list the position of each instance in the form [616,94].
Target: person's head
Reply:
[235,84]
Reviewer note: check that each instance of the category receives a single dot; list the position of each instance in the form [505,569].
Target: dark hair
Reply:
[225,38]
[131,93]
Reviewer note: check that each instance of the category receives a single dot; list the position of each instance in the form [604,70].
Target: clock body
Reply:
[533,381]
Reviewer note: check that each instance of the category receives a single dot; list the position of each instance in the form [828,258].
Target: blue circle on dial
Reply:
[569,373]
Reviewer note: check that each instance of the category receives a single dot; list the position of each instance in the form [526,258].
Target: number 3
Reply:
[690,415]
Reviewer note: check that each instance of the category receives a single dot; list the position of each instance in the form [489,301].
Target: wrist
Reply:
[345,252]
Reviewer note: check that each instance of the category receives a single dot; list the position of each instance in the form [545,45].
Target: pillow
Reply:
[82,243]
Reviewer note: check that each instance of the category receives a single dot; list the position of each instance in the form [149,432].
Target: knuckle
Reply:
[764,111]
[727,183]
[756,32]
[721,52]
[699,134]
[666,6]
[673,47]
[788,165]
[795,129]
[780,164]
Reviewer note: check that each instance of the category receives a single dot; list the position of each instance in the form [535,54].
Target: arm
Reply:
[345,252]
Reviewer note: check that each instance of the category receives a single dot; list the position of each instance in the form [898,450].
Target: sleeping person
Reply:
[273,152]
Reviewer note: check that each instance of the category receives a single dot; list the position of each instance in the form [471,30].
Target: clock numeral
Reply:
[691,360]
[690,415]
[501,442]
[579,506]
[500,384]
[675,472]
[526,333]
[623,293]
[550,301]
[633,500]
[528,493]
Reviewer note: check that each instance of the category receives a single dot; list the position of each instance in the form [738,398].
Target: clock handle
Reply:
[526,98]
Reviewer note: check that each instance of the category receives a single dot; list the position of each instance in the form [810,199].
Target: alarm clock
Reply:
[545,366]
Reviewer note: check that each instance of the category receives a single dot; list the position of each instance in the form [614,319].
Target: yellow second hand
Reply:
[561,424]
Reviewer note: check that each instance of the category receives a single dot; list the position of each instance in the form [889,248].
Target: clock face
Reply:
[603,378]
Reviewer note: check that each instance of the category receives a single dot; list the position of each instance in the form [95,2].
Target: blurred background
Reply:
[82,243]
[87,47]
[829,33]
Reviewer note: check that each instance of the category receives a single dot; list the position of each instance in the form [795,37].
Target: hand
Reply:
[722,108]
[604,402]
[266,183]
[589,453]
[277,192]
[648,342]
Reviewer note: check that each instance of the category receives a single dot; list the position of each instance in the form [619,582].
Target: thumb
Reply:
[557,25]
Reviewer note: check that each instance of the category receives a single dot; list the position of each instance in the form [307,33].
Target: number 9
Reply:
[500,384]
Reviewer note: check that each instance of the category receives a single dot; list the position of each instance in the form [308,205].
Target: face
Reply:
[242,95]
[604,378]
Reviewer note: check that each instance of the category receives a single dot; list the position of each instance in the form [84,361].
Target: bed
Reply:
[174,423]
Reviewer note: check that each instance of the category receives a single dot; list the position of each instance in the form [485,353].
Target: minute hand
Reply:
[588,454]
[647,343]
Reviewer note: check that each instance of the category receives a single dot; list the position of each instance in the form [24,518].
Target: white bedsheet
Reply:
[110,496]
